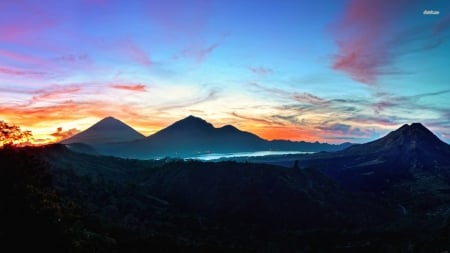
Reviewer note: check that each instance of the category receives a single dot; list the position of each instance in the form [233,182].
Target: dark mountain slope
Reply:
[190,206]
[258,194]
[107,130]
[238,192]
[194,136]
[409,166]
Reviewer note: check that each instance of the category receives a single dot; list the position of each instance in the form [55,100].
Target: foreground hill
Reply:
[389,195]
[194,136]
[237,205]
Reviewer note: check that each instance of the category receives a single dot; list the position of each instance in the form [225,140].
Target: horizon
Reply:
[215,126]
[347,71]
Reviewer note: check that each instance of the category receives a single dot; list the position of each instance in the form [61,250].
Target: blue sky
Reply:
[330,71]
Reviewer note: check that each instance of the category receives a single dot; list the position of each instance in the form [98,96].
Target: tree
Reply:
[12,135]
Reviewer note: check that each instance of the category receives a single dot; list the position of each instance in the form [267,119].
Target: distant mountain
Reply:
[410,146]
[409,140]
[107,130]
[193,136]
[410,166]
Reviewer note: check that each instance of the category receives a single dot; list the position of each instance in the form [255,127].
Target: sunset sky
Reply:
[331,71]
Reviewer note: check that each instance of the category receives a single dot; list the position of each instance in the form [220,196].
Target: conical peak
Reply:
[192,121]
[414,128]
[414,133]
[109,122]
[107,130]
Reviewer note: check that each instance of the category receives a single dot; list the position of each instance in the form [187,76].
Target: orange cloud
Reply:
[61,135]
[132,87]
[43,119]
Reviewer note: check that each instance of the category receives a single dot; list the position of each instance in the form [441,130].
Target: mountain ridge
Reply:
[193,136]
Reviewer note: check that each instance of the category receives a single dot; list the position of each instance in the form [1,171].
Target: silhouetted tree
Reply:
[11,134]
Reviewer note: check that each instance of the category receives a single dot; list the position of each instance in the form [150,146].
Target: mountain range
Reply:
[191,136]
[389,195]
[409,166]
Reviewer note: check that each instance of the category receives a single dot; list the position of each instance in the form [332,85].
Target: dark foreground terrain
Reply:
[391,195]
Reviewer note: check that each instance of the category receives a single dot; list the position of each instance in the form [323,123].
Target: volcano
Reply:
[108,130]
[410,161]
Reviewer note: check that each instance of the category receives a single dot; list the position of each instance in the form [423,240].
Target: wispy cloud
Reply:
[254,119]
[137,53]
[20,58]
[20,72]
[385,101]
[55,92]
[301,97]
[260,70]
[197,53]
[362,35]
[130,87]
[211,95]
[74,58]
[344,130]
[31,20]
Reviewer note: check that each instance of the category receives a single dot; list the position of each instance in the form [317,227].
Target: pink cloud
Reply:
[20,58]
[132,87]
[362,35]
[442,25]
[260,70]
[25,19]
[136,53]
[55,92]
[20,72]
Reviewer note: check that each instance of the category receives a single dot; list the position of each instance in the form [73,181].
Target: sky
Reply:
[313,70]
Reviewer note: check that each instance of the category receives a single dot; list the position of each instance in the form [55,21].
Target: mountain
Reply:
[410,140]
[410,146]
[397,200]
[194,136]
[107,130]
[409,166]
